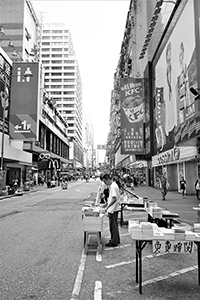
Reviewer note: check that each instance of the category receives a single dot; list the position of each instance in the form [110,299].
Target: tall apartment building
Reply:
[63,82]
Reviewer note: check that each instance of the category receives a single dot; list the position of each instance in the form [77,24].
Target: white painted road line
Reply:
[98,290]
[79,277]
[132,261]
[160,278]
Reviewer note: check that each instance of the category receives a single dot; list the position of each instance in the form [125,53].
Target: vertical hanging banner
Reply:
[132,115]
[24,101]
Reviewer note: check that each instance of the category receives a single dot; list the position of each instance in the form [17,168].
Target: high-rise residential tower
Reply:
[63,82]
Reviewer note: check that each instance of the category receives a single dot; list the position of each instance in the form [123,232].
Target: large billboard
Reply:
[5,75]
[132,115]
[175,113]
[24,101]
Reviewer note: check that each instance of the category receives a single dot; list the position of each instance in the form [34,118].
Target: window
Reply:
[46,37]
[45,44]
[66,31]
[66,49]
[69,74]
[57,43]
[56,68]
[69,112]
[69,61]
[69,68]
[56,49]
[46,74]
[47,68]
[70,131]
[68,105]
[56,93]
[45,62]
[69,86]
[45,49]
[59,105]
[45,55]
[56,61]
[71,125]
[56,55]
[56,74]
[68,99]
[69,80]
[57,37]
[69,93]
[70,118]
[56,80]
[46,31]
[46,80]
[46,86]
[56,86]
[56,31]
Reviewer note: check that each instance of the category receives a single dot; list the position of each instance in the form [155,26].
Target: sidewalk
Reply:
[174,202]
[35,188]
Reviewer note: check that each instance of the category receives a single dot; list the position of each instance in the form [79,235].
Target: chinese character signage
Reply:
[24,101]
[166,246]
[132,115]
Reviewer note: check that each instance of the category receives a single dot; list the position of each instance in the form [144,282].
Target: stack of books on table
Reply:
[155,212]
[141,231]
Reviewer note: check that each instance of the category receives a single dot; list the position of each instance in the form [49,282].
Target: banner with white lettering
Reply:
[165,246]
[24,101]
[132,115]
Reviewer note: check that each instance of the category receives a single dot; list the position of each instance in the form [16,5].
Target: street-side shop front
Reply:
[177,162]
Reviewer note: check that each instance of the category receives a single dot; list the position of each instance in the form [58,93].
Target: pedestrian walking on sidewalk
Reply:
[112,207]
[164,185]
[197,188]
[182,186]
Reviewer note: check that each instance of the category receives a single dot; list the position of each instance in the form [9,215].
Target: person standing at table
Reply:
[182,186]
[112,208]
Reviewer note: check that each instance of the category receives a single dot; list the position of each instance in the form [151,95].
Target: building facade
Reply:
[161,45]
[46,154]
[63,83]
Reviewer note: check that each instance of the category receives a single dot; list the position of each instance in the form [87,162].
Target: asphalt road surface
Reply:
[42,257]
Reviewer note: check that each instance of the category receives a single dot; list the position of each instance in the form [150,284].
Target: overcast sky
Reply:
[97,28]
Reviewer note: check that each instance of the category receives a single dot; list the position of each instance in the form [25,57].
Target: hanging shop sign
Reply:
[24,101]
[132,115]
[174,155]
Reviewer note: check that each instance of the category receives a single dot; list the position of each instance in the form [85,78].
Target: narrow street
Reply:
[43,258]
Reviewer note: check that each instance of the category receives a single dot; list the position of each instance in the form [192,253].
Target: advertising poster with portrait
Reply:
[132,115]
[175,118]
[5,73]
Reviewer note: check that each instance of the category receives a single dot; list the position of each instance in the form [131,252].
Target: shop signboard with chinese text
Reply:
[132,115]
[24,101]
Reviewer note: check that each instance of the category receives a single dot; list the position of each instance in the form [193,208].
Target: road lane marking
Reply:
[132,261]
[173,274]
[98,290]
[79,277]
